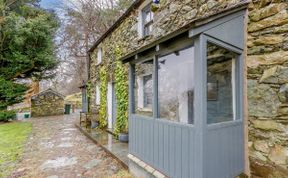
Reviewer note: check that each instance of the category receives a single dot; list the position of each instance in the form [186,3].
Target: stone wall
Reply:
[47,103]
[170,17]
[267,64]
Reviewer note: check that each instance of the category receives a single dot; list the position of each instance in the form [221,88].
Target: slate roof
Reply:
[49,90]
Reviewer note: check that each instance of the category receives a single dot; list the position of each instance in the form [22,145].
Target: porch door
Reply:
[114,106]
[223,127]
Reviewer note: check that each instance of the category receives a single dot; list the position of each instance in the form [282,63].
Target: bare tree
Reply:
[83,22]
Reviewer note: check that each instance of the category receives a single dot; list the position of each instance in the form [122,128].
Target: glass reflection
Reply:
[176,86]
[220,84]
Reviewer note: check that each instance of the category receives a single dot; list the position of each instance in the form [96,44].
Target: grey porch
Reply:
[204,146]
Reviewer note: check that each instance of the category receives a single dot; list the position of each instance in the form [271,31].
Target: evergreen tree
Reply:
[26,47]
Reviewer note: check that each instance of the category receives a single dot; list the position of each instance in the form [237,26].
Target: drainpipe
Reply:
[88,59]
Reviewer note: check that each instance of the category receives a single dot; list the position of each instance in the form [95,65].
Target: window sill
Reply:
[99,64]
[145,110]
[145,38]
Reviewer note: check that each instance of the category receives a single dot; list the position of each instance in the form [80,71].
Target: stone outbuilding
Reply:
[47,103]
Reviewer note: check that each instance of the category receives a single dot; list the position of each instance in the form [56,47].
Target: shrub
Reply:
[121,87]
[7,115]
[103,97]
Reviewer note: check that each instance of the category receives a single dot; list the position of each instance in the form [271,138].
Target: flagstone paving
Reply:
[56,149]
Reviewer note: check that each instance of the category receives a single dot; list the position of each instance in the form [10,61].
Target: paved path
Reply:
[56,149]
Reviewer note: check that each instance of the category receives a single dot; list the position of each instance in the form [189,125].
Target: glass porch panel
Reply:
[176,86]
[143,88]
[220,84]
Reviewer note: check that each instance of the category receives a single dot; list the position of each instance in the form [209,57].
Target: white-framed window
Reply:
[147,92]
[143,88]
[146,18]
[97,95]
[99,56]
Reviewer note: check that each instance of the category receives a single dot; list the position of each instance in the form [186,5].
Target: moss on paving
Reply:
[12,139]
[122,174]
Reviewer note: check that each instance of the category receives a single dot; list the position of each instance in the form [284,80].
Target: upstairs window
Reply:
[99,56]
[147,19]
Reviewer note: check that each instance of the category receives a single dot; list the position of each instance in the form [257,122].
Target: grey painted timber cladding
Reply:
[224,151]
[199,150]
[235,36]
[168,147]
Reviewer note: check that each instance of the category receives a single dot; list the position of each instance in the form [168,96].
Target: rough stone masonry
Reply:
[47,103]
[268,87]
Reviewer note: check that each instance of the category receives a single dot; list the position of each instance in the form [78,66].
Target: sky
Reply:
[50,4]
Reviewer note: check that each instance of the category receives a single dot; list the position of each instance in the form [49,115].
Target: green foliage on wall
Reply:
[121,90]
[103,97]
[89,89]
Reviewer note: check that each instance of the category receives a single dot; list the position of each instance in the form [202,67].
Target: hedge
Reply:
[7,115]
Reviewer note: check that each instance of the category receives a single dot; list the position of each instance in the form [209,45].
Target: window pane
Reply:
[143,88]
[176,86]
[97,95]
[148,29]
[148,95]
[99,56]
[220,84]
[147,16]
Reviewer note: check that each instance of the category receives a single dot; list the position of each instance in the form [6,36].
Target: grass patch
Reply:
[122,174]
[12,139]
[75,99]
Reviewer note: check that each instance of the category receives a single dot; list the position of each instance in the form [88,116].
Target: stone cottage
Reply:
[47,103]
[246,75]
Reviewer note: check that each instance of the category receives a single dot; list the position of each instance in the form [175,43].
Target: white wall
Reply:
[140,93]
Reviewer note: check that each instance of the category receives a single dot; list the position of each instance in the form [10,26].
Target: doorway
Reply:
[111,106]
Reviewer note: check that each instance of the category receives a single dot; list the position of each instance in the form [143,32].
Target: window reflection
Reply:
[220,84]
[143,88]
[176,86]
